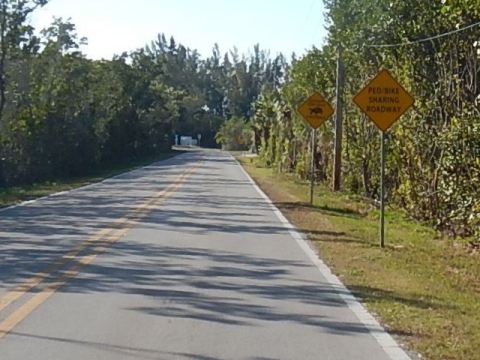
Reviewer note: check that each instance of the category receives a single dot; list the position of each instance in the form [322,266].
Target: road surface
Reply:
[183,259]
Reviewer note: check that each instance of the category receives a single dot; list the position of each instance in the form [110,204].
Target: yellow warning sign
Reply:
[315,110]
[384,100]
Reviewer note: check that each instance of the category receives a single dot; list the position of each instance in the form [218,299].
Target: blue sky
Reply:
[114,26]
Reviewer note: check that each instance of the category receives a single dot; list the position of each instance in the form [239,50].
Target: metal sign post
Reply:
[312,174]
[382,193]
[384,100]
[315,110]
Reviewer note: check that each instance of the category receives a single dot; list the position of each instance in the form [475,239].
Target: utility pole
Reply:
[337,161]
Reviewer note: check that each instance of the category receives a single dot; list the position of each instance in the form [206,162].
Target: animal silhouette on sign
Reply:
[316,111]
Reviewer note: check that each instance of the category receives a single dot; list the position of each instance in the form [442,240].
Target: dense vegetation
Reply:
[433,168]
[62,114]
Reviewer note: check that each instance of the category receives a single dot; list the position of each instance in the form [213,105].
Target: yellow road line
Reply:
[30,283]
[132,218]
[23,311]
[34,302]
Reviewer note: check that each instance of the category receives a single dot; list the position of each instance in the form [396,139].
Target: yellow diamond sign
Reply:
[315,110]
[384,100]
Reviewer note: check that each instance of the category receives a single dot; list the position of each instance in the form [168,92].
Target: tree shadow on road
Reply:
[184,267]
[118,350]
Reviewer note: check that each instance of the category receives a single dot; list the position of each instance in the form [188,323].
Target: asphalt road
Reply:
[183,259]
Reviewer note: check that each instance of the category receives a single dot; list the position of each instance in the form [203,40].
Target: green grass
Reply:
[424,288]
[16,194]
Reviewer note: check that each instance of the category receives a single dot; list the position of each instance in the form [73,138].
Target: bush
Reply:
[235,134]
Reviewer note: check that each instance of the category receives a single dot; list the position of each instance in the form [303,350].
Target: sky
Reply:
[115,26]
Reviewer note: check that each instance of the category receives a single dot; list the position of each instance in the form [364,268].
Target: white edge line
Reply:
[65,192]
[389,345]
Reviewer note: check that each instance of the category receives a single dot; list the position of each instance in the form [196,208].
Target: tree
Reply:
[234,134]
[13,34]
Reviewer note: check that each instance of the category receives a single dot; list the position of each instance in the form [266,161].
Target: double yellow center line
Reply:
[102,240]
